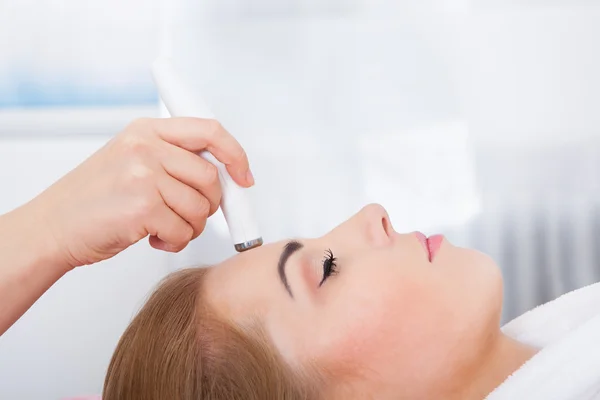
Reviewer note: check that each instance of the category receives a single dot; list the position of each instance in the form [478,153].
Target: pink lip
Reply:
[431,244]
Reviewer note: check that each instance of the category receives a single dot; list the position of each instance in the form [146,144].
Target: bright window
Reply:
[83,53]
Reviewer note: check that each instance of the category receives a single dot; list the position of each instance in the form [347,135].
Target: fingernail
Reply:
[249,177]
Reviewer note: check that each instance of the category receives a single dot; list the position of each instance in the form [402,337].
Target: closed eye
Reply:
[329,266]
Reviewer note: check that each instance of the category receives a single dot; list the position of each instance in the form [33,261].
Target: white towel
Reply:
[567,330]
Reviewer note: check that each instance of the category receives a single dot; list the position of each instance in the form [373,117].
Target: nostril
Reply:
[387,227]
[377,223]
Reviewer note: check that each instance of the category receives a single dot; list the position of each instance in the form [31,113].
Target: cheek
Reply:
[409,323]
[381,319]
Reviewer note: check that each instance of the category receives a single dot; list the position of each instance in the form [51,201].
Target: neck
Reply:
[505,356]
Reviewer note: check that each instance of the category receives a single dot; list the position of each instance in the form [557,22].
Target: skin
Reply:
[390,324]
[146,182]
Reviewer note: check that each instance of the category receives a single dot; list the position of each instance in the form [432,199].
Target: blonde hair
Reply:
[176,348]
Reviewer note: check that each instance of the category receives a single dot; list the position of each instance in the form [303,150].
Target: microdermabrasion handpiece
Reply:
[235,203]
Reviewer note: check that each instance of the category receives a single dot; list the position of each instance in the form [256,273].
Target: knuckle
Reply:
[239,154]
[214,130]
[138,174]
[189,232]
[197,210]
[183,236]
[141,122]
[184,233]
[139,125]
[134,143]
[211,174]
[144,206]
[203,208]
[135,138]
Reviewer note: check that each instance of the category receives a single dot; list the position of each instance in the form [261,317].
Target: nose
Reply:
[377,223]
[370,226]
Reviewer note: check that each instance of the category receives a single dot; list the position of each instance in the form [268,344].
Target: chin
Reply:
[479,285]
[489,290]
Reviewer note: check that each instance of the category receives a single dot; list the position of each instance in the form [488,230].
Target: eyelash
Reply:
[329,266]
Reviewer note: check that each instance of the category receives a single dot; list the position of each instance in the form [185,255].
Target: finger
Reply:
[159,244]
[187,202]
[196,134]
[168,231]
[193,171]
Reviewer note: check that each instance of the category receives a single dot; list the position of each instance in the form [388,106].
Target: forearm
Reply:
[29,264]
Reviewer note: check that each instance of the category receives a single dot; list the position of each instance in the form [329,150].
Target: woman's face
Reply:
[387,320]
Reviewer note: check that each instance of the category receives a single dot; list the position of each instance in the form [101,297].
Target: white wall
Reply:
[532,71]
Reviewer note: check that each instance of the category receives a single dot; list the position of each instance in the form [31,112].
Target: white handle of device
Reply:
[235,202]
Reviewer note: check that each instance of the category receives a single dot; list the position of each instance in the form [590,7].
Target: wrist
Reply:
[32,234]
[30,262]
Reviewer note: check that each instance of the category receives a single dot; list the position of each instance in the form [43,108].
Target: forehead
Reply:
[244,284]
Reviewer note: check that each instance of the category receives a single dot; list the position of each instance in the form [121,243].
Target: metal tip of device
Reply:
[240,247]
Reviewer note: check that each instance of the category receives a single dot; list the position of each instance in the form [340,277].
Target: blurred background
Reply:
[478,119]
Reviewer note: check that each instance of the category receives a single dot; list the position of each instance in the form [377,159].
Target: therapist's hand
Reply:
[147,181]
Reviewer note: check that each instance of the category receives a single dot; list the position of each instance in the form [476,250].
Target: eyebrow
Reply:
[289,249]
